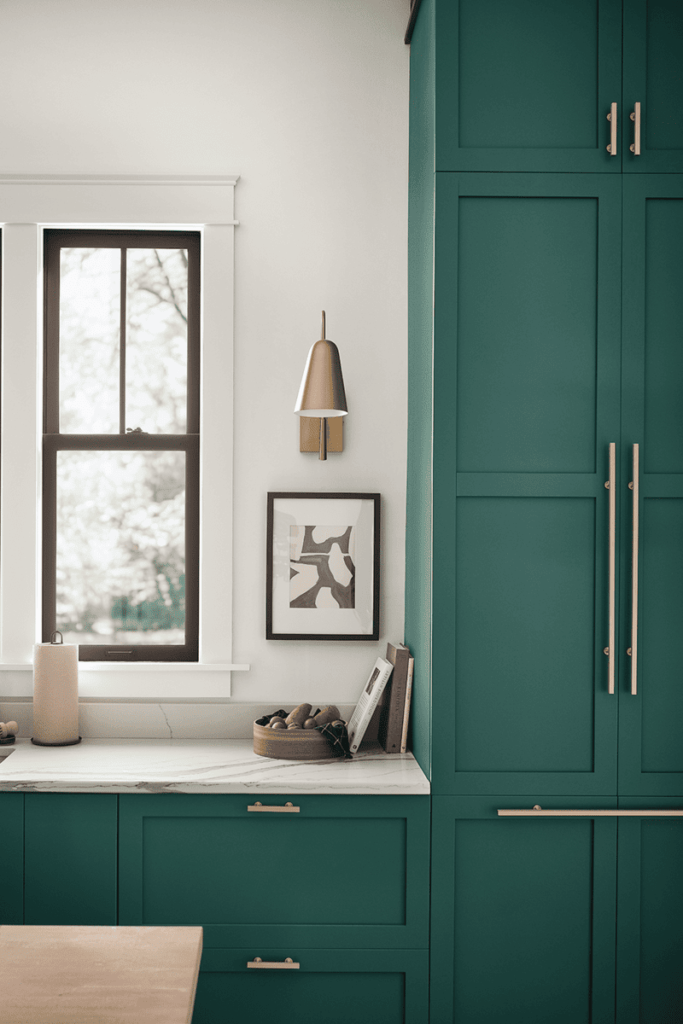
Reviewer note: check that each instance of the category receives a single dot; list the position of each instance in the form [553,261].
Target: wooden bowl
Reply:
[291,744]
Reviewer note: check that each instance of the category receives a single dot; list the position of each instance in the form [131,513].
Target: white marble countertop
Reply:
[199,766]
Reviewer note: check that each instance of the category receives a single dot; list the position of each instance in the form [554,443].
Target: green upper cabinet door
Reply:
[653,77]
[526,399]
[651,719]
[527,86]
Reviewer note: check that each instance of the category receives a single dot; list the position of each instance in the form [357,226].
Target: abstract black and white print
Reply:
[322,570]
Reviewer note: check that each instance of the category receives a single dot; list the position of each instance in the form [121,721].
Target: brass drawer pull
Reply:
[635,117]
[611,486]
[538,812]
[272,965]
[612,118]
[286,808]
[633,649]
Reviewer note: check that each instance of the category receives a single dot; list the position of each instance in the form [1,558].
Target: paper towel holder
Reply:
[58,743]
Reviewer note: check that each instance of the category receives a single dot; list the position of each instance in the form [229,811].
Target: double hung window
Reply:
[121,443]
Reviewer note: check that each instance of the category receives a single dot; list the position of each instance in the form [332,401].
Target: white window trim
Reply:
[29,205]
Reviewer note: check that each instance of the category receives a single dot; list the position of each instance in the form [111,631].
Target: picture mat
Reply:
[357,512]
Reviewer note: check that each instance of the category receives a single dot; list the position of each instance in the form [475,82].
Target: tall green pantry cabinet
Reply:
[545,504]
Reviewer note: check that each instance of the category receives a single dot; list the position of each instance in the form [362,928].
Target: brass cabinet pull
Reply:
[287,808]
[612,118]
[633,649]
[635,117]
[273,965]
[611,486]
[538,812]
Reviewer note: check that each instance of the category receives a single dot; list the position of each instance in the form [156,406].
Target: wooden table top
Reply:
[80,974]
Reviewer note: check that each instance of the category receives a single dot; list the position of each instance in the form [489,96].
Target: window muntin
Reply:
[121,501]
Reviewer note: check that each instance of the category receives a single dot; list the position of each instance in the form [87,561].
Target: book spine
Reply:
[406,713]
[391,723]
[368,710]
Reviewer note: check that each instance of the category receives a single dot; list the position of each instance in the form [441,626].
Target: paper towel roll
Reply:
[55,694]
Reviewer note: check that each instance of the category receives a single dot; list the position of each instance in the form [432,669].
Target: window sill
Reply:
[139,666]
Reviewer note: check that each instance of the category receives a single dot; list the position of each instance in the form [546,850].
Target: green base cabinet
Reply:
[523,915]
[342,872]
[12,858]
[650,915]
[70,858]
[366,986]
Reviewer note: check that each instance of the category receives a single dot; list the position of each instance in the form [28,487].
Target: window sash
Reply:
[55,240]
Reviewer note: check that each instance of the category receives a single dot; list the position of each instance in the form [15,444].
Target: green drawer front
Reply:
[340,872]
[12,858]
[375,986]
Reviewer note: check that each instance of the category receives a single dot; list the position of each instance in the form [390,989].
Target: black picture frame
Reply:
[291,518]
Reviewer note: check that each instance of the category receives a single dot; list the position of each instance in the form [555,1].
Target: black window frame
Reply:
[54,441]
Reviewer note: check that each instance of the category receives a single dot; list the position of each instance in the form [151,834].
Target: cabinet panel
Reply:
[337,986]
[70,858]
[527,316]
[650,910]
[651,722]
[343,871]
[653,45]
[526,567]
[527,333]
[522,915]
[12,858]
[527,86]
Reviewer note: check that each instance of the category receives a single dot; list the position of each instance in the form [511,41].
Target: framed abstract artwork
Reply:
[322,575]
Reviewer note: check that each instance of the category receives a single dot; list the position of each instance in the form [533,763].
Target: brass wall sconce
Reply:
[322,398]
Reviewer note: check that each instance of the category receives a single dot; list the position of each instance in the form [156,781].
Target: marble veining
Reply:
[200,766]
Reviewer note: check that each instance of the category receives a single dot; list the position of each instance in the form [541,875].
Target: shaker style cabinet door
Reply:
[362,986]
[650,690]
[526,397]
[653,79]
[527,86]
[12,858]
[70,858]
[649,915]
[522,914]
[338,872]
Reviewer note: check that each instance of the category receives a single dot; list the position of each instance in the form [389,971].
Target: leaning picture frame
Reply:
[322,566]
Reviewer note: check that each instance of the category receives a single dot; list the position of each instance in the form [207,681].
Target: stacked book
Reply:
[385,702]
[392,731]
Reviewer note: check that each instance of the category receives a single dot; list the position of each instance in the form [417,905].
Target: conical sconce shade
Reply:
[322,386]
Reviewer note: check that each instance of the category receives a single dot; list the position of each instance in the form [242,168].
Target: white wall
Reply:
[307,100]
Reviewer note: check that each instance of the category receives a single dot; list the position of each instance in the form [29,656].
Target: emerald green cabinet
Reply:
[651,719]
[70,858]
[523,915]
[341,872]
[561,919]
[545,314]
[526,393]
[527,86]
[649,915]
[12,858]
[331,985]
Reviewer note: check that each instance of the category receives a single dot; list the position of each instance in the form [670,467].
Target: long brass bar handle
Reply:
[538,812]
[273,965]
[612,487]
[633,649]
[635,117]
[289,807]
[612,117]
